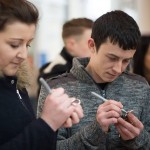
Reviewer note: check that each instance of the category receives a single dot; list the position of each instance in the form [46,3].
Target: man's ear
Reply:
[91,45]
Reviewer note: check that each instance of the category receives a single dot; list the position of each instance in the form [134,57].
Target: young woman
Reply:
[19,129]
[141,60]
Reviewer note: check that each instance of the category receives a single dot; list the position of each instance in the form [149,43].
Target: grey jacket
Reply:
[130,89]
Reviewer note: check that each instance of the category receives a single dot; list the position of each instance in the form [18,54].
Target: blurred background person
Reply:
[75,34]
[141,59]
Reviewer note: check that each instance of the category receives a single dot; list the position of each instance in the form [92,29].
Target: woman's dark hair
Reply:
[138,59]
[17,10]
[119,28]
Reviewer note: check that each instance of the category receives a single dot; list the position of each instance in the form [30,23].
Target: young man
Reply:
[75,35]
[115,37]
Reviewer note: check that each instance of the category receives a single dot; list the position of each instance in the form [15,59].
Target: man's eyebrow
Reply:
[119,57]
[112,55]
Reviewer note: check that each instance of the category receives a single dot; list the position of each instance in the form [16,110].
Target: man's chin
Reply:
[111,79]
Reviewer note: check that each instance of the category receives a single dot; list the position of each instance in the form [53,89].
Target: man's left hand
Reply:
[129,128]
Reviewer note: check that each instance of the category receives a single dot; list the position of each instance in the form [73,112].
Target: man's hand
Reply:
[130,128]
[108,113]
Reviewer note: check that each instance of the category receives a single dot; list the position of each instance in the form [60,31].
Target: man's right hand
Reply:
[108,113]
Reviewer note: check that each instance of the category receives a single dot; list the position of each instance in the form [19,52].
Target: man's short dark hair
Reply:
[119,28]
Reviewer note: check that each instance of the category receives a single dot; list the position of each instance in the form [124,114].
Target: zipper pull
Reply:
[18,94]
[103,93]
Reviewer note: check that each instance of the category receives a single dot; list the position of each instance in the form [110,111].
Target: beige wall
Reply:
[143,7]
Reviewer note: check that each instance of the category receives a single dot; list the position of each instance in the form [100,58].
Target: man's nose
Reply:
[117,68]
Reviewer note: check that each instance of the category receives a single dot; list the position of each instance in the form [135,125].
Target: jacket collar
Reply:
[78,69]
[23,76]
[8,81]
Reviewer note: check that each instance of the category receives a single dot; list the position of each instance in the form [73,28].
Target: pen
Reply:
[45,84]
[102,98]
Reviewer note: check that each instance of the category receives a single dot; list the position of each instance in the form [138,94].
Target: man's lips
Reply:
[114,75]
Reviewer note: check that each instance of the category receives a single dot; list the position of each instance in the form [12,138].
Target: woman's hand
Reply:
[58,110]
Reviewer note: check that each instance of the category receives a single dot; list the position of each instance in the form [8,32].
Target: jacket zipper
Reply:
[20,99]
[103,93]
[18,94]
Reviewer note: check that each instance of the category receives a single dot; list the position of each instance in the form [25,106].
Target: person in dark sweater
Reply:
[75,34]
[19,128]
